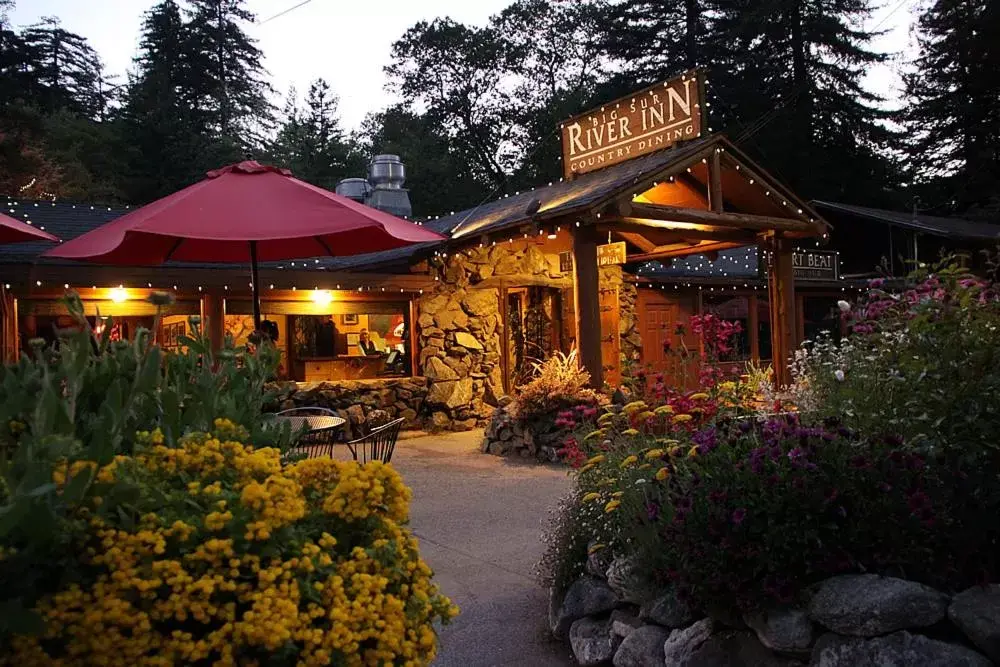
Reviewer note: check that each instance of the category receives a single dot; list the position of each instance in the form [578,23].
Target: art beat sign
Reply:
[640,123]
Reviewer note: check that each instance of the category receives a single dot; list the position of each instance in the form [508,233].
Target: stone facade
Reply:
[355,400]
[460,328]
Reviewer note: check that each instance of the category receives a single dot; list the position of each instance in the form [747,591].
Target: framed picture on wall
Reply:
[353,339]
[349,319]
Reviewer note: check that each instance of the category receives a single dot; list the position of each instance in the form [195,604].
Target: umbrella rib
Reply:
[173,249]
[319,239]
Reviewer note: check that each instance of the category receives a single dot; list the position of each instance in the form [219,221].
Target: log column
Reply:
[781,295]
[587,299]
[213,319]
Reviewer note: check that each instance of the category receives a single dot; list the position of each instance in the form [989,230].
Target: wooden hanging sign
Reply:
[643,122]
[610,254]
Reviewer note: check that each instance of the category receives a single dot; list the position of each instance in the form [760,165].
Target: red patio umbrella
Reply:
[244,213]
[15,231]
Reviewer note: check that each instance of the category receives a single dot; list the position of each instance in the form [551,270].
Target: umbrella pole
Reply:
[255,285]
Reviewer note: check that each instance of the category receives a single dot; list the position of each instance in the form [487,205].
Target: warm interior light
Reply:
[119,294]
[321,297]
[553,235]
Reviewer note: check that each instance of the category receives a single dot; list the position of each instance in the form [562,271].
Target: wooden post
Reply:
[587,300]
[715,181]
[213,319]
[9,329]
[413,340]
[781,283]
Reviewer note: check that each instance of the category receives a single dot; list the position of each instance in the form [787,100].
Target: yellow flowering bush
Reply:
[219,555]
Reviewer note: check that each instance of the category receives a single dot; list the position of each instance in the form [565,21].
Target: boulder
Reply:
[592,641]
[425,320]
[625,621]
[623,577]
[900,649]
[667,610]
[976,612]
[642,648]
[866,605]
[680,645]
[467,341]
[506,266]
[481,302]
[440,420]
[735,648]
[452,317]
[587,596]
[783,629]
[434,304]
[534,261]
[459,365]
[440,393]
[462,394]
[435,369]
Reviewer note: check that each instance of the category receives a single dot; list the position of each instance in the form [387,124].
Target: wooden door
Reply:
[662,347]
[610,337]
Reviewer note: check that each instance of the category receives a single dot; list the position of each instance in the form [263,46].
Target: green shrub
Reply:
[138,528]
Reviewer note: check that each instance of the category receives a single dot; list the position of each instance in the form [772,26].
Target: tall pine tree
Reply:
[169,140]
[802,107]
[311,141]
[954,113]
[66,70]
[227,71]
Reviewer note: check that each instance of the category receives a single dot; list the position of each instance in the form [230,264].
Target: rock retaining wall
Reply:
[609,617]
[354,400]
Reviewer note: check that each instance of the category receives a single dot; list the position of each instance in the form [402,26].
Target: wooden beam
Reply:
[638,240]
[715,181]
[587,300]
[743,221]
[781,281]
[667,252]
[662,236]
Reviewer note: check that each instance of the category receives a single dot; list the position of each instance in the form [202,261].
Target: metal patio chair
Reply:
[377,445]
[319,440]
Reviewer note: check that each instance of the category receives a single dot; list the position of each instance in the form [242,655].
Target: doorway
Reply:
[534,330]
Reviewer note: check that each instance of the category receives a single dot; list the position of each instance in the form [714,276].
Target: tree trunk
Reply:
[692,12]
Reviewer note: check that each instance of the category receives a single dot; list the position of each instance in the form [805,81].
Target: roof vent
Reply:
[386,175]
[357,189]
[387,172]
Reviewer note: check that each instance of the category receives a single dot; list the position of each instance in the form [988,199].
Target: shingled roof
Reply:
[68,220]
[955,228]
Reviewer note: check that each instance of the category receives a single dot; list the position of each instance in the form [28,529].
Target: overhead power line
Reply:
[282,13]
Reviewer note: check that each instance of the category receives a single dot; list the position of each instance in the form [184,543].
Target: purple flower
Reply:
[739,514]
[652,511]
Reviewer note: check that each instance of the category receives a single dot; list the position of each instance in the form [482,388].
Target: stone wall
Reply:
[460,329]
[354,400]
[864,620]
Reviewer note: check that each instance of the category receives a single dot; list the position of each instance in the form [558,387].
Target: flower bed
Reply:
[892,470]
[181,544]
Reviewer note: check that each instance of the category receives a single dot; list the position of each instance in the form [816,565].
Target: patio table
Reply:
[319,437]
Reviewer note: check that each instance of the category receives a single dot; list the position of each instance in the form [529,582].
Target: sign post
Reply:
[643,122]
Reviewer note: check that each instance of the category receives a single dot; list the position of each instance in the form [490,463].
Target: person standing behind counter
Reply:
[365,344]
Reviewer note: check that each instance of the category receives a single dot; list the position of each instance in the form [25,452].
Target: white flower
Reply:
[839,375]
[844,306]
